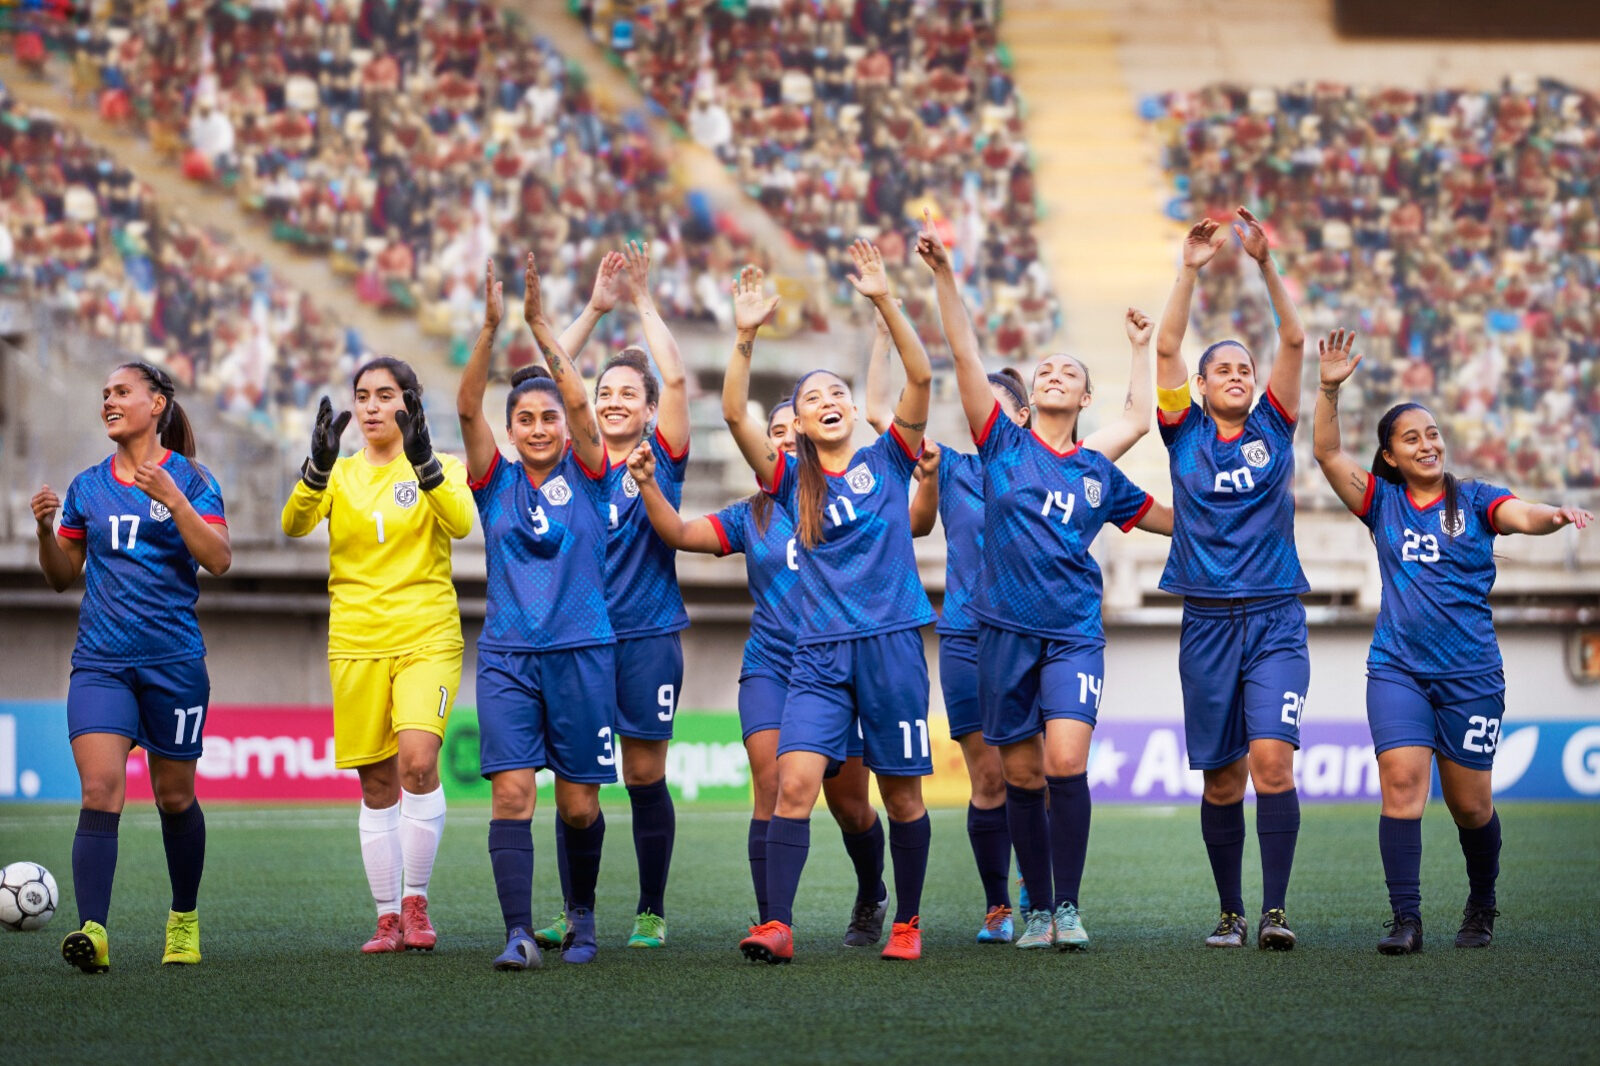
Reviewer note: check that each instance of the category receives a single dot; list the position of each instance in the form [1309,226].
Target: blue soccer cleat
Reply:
[580,945]
[521,952]
[996,928]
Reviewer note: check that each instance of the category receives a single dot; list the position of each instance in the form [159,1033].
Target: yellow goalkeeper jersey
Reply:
[388,554]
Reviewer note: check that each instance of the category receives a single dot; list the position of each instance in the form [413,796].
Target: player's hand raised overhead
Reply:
[325,433]
[1139,325]
[930,246]
[610,283]
[494,306]
[642,463]
[1336,361]
[636,270]
[751,305]
[418,443]
[1252,237]
[870,279]
[1202,242]
[532,298]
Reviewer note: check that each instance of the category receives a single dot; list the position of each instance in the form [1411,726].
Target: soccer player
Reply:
[647,614]
[545,670]
[765,534]
[1435,687]
[1242,658]
[394,630]
[138,526]
[859,654]
[1040,644]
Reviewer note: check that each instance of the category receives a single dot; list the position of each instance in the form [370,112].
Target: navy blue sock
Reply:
[583,859]
[1481,846]
[654,828]
[1030,835]
[991,849]
[866,855]
[511,858]
[788,844]
[1222,828]
[184,837]
[94,863]
[1069,834]
[1400,844]
[908,843]
[756,848]
[1277,829]
[563,871]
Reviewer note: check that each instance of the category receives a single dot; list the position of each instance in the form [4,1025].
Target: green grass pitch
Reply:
[284,908]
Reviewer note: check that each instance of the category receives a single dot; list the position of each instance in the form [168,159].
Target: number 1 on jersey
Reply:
[377,518]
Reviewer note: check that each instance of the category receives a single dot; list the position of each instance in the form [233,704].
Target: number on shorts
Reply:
[1483,735]
[1089,684]
[133,531]
[444,701]
[194,730]
[664,697]
[607,757]
[1294,705]
[922,730]
[377,518]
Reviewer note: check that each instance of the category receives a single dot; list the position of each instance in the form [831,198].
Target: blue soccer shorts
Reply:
[160,708]
[958,680]
[649,676]
[761,700]
[880,681]
[1458,717]
[1023,681]
[548,709]
[1245,671]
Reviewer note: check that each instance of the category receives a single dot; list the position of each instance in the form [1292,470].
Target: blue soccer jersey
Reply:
[139,584]
[641,571]
[862,579]
[961,514]
[546,549]
[772,569]
[1042,510]
[1434,619]
[1233,506]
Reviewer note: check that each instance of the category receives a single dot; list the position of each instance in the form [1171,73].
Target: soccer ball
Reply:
[27,896]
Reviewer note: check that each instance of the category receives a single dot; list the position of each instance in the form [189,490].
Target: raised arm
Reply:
[61,558]
[1538,519]
[1115,437]
[977,399]
[476,432]
[582,428]
[698,535]
[672,416]
[1335,364]
[751,307]
[872,281]
[308,500]
[925,501]
[608,286]
[1285,381]
[1199,245]
[880,408]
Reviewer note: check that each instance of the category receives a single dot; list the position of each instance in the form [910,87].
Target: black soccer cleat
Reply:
[1230,932]
[1477,927]
[866,923]
[1404,936]
[1273,932]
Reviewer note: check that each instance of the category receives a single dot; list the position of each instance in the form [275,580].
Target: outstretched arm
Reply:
[1285,381]
[751,307]
[977,400]
[1349,479]
[1116,437]
[1199,245]
[582,428]
[476,433]
[696,536]
[1158,519]
[672,416]
[872,281]
[880,408]
[608,286]
[1538,519]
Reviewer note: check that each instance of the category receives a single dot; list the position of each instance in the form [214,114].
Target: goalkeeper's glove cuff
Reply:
[430,474]
[316,480]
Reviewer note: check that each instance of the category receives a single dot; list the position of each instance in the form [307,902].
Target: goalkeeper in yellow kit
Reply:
[394,629]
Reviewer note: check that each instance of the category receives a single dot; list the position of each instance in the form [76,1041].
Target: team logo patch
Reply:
[1453,524]
[1256,454]
[630,487]
[558,492]
[860,479]
[405,493]
[158,511]
[1091,491]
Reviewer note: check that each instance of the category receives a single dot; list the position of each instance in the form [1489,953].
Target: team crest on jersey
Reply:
[1091,491]
[405,493]
[860,479]
[158,511]
[1453,524]
[558,492]
[630,487]
[1256,454]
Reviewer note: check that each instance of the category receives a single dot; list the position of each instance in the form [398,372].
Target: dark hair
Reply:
[634,358]
[761,501]
[530,379]
[1088,389]
[1010,379]
[1383,468]
[401,370]
[1205,356]
[172,427]
[811,487]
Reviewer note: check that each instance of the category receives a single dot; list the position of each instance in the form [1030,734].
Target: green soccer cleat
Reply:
[183,938]
[649,931]
[1038,930]
[554,936]
[1070,933]
[88,948]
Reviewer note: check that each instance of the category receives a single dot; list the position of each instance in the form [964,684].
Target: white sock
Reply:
[380,854]
[421,826]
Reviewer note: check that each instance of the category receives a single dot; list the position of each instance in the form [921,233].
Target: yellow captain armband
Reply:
[1173,401]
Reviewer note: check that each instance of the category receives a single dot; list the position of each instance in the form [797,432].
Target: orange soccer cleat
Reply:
[770,942]
[905,940]
[388,937]
[418,934]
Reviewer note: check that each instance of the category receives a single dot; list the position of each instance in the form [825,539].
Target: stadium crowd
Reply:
[1458,231]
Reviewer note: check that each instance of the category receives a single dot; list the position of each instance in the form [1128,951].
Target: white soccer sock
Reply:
[380,854]
[421,826]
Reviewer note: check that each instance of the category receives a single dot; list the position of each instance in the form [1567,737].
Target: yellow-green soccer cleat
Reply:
[88,948]
[554,936]
[183,938]
[649,931]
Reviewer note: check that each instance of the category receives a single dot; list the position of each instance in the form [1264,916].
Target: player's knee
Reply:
[512,799]
[174,798]
[796,797]
[903,805]
[419,776]
[764,790]
[1225,786]
[1470,812]
[102,793]
[580,811]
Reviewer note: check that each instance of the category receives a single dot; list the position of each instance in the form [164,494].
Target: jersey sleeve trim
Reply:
[1366,498]
[215,519]
[1494,505]
[1273,400]
[676,457]
[979,437]
[488,475]
[593,475]
[1144,509]
[1174,418]
[72,532]
[777,474]
[894,431]
[722,534]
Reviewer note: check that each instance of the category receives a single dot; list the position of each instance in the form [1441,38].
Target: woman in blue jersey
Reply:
[138,526]
[545,665]
[1242,658]
[632,405]
[1036,603]
[765,534]
[1435,686]
[859,657]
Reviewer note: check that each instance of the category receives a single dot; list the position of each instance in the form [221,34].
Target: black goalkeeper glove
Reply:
[413,423]
[324,446]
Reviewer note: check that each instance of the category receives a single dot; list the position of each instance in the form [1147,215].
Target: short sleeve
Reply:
[1274,422]
[483,488]
[730,525]
[206,496]
[1368,511]
[670,468]
[785,479]
[1127,502]
[72,521]
[891,448]
[1486,501]
[1172,432]
[999,434]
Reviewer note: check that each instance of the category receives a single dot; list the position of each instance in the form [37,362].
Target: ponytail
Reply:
[1010,379]
[811,491]
[1382,468]
[172,426]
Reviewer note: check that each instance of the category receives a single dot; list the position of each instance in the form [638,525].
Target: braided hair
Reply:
[172,425]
